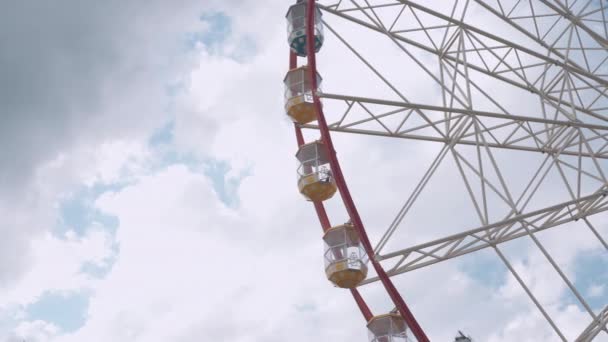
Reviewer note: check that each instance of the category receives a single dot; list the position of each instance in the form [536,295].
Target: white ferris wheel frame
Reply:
[572,127]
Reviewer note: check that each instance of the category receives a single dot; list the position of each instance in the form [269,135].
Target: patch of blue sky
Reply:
[163,136]
[68,311]
[174,88]
[217,29]
[8,319]
[245,50]
[591,277]
[99,271]
[78,213]
[162,141]
[486,268]
[225,186]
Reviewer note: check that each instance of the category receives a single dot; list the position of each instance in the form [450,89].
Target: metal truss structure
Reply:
[554,51]
[595,327]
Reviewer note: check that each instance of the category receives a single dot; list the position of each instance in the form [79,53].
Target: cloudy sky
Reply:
[147,190]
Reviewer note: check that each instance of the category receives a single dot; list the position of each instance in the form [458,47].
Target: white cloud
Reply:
[74,81]
[35,331]
[57,266]
[596,290]
[188,266]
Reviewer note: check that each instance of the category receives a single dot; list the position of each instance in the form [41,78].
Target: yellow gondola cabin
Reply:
[345,257]
[298,95]
[388,328]
[315,180]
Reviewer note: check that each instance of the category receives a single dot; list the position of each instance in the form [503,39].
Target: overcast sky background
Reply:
[148,190]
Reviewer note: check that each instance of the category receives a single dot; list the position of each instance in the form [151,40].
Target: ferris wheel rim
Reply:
[344,192]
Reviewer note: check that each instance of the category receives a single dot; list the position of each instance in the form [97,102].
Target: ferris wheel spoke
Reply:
[501,41]
[351,9]
[560,15]
[594,328]
[529,293]
[411,199]
[539,178]
[509,232]
[513,65]
[558,269]
[483,218]
[336,5]
[505,194]
[372,10]
[525,225]
[596,233]
[398,119]
[479,172]
[575,19]
[567,136]
[575,190]
[579,170]
[422,26]
[535,80]
[376,72]
[493,234]
[506,231]
[463,100]
[585,142]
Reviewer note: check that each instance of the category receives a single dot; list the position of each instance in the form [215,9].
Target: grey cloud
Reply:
[74,74]
[65,72]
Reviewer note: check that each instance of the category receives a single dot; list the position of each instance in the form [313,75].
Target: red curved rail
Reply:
[343,188]
[322,214]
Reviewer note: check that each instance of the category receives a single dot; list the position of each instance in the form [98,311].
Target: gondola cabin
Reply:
[388,328]
[315,180]
[298,95]
[345,257]
[296,28]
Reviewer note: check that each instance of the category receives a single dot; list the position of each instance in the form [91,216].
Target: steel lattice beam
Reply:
[561,60]
[496,65]
[531,131]
[563,11]
[535,35]
[490,235]
[598,324]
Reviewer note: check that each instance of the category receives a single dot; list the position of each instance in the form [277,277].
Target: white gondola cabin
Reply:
[315,179]
[298,95]
[388,328]
[296,28]
[345,257]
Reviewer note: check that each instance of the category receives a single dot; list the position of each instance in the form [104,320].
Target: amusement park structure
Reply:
[462,338]
[533,84]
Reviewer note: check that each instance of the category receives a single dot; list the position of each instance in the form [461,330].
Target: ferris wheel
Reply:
[507,102]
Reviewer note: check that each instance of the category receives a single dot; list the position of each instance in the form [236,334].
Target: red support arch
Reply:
[343,188]
[322,214]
